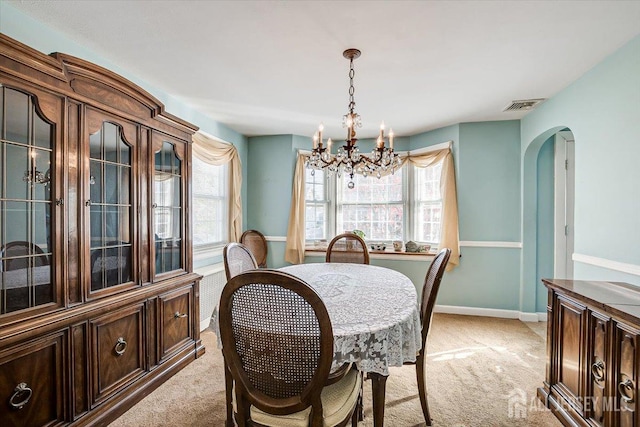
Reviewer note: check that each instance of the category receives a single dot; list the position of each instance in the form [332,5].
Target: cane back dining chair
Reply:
[20,254]
[429,294]
[237,259]
[257,244]
[348,247]
[278,341]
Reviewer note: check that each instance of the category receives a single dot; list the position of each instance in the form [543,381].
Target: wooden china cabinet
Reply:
[593,353]
[98,299]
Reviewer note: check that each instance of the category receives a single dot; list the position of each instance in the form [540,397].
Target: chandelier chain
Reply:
[352,73]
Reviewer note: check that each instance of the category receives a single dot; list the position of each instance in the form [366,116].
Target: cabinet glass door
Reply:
[167,209]
[26,155]
[110,202]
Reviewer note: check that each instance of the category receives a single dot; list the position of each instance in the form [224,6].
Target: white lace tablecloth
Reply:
[373,311]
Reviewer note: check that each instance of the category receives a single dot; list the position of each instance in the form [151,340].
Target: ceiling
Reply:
[276,67]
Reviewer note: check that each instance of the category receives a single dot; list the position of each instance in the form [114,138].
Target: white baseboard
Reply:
[491,312]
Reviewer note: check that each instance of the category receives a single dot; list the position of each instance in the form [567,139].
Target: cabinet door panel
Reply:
[118,351]
[29,142]
[625,381]
[168,205]
[32,391]
[176,311]
[571,317]
[596,405]
[110,188]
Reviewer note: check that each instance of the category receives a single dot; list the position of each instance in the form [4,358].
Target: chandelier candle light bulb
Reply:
[348,159]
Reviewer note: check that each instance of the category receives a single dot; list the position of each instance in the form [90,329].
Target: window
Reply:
[375,206]
[316,205]
[210,204]
[427,204]
[403,206]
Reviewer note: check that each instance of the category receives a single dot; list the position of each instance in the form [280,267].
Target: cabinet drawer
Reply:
[32,383]
[176,315]
[117,351]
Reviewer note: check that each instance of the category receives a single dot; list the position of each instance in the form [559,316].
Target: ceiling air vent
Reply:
[523,104]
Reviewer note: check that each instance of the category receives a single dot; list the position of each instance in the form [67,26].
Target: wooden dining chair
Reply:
[348,247]
[257,244]
[429,294]
[20,254]
[237,259]
[278,341]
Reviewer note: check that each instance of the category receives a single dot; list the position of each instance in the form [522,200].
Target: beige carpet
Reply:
[481,372]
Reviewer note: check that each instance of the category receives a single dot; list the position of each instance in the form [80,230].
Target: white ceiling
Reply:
[276,67]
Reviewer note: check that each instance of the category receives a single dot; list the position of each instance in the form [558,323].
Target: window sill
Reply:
[206,253]
[312,251]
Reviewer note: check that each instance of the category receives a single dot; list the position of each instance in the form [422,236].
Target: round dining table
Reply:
[374,315]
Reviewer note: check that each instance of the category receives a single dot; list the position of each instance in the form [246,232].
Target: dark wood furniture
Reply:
[430,289]
[281,362]
[237,259]
[593,353]
[257,244]
[95,174]
[348,247]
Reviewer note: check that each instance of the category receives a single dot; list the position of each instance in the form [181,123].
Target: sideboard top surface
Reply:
[617,298]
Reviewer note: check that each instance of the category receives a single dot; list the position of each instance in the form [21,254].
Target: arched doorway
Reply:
[547,213]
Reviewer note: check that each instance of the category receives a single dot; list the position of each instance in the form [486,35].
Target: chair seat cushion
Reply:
[338,401]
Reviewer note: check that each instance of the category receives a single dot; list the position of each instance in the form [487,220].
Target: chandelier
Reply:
[348,159]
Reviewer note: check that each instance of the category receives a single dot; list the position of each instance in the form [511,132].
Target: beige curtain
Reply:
[449,237]
[215,152]
[294,251]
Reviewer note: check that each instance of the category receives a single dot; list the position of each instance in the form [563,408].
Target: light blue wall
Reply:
[489,181]
[602,109]
[545,221]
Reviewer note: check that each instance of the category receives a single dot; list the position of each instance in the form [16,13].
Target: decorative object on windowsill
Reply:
[348,159]
[359,233]
[378,246]
[397,245]
[411,246]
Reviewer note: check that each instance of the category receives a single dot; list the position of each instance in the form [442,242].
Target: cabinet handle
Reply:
[155,205]
[22,391]
[87,203]
[177,315]
[597,370]
[121,346]
[60,202]
[623,387]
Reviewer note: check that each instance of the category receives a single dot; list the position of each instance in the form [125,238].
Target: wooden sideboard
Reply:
[98,299]
[593,353]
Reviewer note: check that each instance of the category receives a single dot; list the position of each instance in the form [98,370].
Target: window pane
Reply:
[210,203]
[317,205]
[428,204]
[374,206]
